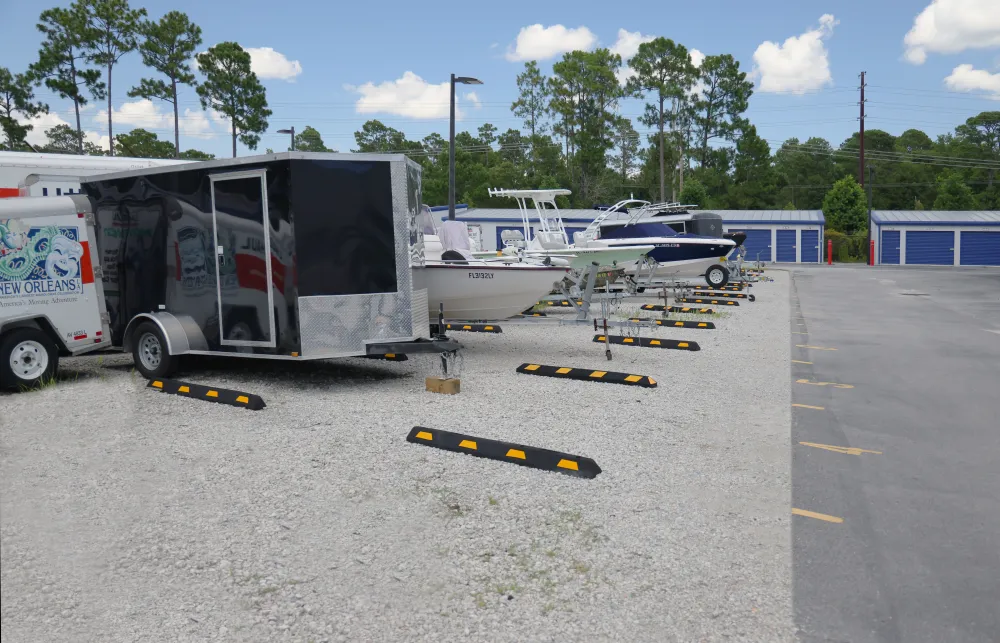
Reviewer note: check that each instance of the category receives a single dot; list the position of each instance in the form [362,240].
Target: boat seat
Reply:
[512,238]
[551,240]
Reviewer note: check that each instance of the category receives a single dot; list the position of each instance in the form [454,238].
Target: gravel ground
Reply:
[130,515]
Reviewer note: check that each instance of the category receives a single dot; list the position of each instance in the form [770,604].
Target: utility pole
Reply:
[861,135]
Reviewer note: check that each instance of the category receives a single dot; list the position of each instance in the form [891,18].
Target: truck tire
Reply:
[28,358]
[149,352]
[717,276]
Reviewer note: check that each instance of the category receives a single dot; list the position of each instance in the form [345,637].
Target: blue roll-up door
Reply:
[890,247]
[980,248]
[519,228]
[758,243]
[810,246]
[786,246]
[930,248]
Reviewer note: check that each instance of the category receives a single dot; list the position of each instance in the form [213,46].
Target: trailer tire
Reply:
[149,352]
[717,276]
[28,358]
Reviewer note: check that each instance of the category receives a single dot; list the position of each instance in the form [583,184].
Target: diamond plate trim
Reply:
[421,316]
[341,325]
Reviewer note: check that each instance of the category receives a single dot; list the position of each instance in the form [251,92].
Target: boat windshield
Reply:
[425,221]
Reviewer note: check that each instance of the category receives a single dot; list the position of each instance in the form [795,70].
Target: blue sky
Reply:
[325,57]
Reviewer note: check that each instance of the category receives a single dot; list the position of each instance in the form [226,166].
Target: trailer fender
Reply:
[182,333]
[40,322]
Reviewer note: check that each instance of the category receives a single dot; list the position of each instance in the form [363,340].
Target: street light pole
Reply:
[291,132]
[451,155]
[465,80]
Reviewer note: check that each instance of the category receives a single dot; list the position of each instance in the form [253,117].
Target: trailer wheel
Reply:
[717,276]
[149,352]
[28,358]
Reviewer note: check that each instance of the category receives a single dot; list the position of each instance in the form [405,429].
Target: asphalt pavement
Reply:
[896,454]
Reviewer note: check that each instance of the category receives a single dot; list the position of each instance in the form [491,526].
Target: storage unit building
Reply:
[782,236]
[937,237]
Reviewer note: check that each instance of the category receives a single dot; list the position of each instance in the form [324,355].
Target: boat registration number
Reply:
[480,275]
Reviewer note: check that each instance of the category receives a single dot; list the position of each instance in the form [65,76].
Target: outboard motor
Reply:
[705,224]
[737,237]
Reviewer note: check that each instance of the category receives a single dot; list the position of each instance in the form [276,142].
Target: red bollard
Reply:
[871,254]
[829,252]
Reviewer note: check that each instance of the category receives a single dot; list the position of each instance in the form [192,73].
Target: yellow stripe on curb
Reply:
[563,370]
[468,444]
[568,464]
[243,399]
[598,373]
[183,389]
[424,435]
[158,384]
[516,453]
[532,367]
[212,394]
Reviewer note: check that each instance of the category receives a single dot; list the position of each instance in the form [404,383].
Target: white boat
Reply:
[551,240]
[484,290]
[476,289]
[687,245]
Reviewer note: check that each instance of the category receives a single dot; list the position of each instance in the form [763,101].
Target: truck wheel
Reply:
[717,276]
[149,352]
[28,358]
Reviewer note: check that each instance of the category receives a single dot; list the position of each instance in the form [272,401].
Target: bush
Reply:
[845,206]
[848,248]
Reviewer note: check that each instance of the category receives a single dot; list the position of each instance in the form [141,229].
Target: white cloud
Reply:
[44,122]
[410,96]
[951,26]
[697,57]
[965,78]
[798,65]
[268,63]
[536,42]
[474,99]
[627,46]
[148,115]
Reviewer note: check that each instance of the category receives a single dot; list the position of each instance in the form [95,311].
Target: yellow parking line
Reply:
[815,348]
[817,516]
[833,384]
[797,333]
[835,449]
[798,361]
[806,406]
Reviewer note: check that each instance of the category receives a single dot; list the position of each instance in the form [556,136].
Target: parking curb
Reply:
[587,375]
[525,456]
[208,393]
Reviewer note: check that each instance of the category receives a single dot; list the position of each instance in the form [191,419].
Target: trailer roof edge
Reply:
[249,160]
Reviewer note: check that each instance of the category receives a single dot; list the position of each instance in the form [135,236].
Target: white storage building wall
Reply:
[937,237]
[778,236]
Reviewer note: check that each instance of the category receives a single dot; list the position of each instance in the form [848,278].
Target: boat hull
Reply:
[484,292]
[687,269]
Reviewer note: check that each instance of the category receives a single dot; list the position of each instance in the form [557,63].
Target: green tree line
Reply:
[692,143]
[81,46]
